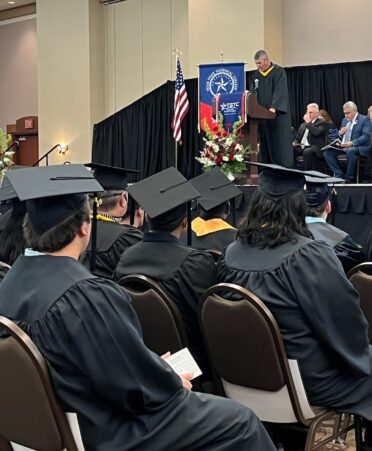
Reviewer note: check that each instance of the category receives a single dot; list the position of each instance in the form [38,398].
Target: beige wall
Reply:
[322,32]
[140,36]
[18,74]
[273,29]
[70,75]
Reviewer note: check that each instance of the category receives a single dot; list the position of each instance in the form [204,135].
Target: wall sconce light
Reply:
[63,148]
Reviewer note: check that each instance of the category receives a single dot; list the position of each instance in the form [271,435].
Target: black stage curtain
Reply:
[140,136]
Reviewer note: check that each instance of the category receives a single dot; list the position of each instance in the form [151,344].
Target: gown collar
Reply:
[160,236]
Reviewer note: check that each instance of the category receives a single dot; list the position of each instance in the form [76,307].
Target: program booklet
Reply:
[336,144]
[183,362]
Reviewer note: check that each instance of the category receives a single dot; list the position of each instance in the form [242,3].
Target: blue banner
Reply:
[214,79]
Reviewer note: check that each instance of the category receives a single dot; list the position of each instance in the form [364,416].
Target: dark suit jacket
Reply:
[360,134]
[317,133]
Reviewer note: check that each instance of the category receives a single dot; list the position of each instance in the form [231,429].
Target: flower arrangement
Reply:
[6,156]
[221,148]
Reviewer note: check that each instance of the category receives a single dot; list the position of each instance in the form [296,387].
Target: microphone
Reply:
[15,143]
[256,81]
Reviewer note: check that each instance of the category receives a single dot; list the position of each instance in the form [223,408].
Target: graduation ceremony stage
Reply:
[351,209]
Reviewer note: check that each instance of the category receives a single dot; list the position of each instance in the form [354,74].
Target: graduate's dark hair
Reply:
[318,210]
[12,241]
[217,212]
[108,200]
[269,223]
[59,236]
[168,221]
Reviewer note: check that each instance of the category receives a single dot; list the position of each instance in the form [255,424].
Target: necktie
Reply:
[347,135]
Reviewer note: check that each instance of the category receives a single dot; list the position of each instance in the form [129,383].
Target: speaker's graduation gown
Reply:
[125,396]
[275,134]
[318,313]
[112,240]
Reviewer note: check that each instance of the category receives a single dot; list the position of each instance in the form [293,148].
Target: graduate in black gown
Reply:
[318,199]
[12,241]
[125,396]
[270,84]
[113,238]
[184,273]
[304,285]
[210,230]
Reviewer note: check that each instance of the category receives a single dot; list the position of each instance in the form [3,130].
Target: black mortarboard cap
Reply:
[52,193]
[111,178]
[318,190]
[7,191]
[215,188]
[278,182]
[162,192]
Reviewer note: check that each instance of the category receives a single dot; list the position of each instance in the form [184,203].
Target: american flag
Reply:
[181,103]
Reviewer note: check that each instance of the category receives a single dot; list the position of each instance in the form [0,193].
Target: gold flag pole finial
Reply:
[177,52]
[221,56]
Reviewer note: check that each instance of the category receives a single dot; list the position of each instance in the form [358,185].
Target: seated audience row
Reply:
[83,322]
[125,396]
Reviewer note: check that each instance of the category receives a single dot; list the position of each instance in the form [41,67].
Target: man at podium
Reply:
[269,82]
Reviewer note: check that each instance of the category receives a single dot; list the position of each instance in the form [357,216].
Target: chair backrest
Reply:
[161,322]
[360,276]
[29,412]
[247,351]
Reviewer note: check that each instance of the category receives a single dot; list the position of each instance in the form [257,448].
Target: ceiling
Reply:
[5,5]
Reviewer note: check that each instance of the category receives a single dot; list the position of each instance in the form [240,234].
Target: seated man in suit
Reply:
[311,137]
[125,396]
[184,273]
[113,238]
[318,199]
[355,134]
[210,229]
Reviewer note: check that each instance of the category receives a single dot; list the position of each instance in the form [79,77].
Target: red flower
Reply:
[215,128]
[218,133]
[216,140]
[224,133]
[241,136]
[233,145]
[231,157]
[210,148]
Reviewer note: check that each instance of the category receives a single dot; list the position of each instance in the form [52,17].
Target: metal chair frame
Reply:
[312,424]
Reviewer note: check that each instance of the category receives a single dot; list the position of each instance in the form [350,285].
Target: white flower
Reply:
[228,141]
[239,157]
[225,158]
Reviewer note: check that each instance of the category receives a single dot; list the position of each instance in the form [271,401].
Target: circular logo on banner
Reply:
[222,81]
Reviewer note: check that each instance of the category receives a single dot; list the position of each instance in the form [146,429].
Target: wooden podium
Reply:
[254,112]
[25,131]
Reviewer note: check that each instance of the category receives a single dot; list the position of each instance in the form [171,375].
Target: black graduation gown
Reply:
[112,240]
[184,274]
[318,313]
[347,250]
[275,134]
[4,268]
[216,234]
[125,396]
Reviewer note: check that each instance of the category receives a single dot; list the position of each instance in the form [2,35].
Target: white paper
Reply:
[183,362]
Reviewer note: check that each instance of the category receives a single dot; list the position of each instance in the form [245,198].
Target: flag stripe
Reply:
[181,103]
